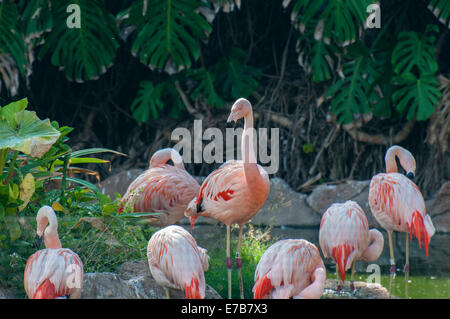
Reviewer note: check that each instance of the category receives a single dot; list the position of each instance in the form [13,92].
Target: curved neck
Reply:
[162,156]
[375,247]
[46,216]
[315,289]
[251,169]
[407,160]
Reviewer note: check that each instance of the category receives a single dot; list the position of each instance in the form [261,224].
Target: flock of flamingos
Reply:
[233,194]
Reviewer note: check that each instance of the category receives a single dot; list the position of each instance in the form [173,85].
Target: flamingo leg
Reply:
[228,261]
[406,269]
[167,293]
[239,262]
[352,285]
[391,251]
[339,287]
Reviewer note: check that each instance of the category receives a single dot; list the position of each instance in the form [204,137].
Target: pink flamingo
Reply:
[290,268]
[236,191]
[162,188]
[177,262]
[53,272]
[397,204]
[345,236]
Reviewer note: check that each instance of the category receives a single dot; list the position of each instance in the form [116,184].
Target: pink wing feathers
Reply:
[287,268]
[224,194]
[398,205]
[176,261]
[162,188]
[51,273]
[344,234]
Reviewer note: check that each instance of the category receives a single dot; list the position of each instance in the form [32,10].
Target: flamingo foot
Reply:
[339,288]
[352,286]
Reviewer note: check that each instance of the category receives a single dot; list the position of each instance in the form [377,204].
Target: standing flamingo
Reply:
[397,204]
[290,268]
[53,272]
[236,191]
[345,236]
[177,262]
[162,188]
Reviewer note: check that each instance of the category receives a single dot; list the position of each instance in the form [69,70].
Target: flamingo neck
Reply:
[176,159]
[375,247]
[46,216]
[247,148]
[407,160]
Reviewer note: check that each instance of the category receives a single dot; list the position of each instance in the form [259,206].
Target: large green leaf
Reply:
[236,77]
[441,9]
[353,93]
[415,49]
[206,87]
[23,131]
[148,101]
[36,18]
[168,32]
[86,52]
[340,22]
[417,96]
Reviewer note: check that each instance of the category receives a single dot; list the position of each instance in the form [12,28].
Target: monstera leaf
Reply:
[168,32]
[415,50]
[148,101]
[37,18]
[353,94]
[441,9]
[23,131]
[342,20]
[83,52]
[417,96]
[206,87]
[236,77]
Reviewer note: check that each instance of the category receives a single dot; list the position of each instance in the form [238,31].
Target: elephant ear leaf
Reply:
[168,32]
[23,131]
[441,9]
[85,50]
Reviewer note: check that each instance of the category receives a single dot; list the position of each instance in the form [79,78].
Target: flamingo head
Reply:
[240,109]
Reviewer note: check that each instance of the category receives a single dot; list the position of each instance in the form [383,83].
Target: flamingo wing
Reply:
[51,273]
[285,269]
[163,188]
[344,234]
[397,204]
[177,262]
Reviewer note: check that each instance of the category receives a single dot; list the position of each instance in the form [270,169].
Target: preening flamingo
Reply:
[177,262]
[397,204]
[290,268]
[162,188]
[345,236]
[234,192]
[53,272]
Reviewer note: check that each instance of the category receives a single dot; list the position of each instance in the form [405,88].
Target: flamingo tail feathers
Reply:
[419,230]
[263,287]
[192,290]
[340,254]
[45,291]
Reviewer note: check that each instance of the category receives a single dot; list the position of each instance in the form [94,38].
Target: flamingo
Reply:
[236,191]
[290,268]
[397,204]
[53,272]
[162,188]
[344,235]
[177,262]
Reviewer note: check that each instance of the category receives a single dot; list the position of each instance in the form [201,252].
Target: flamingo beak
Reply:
[410,175]
[230,119]
[38,241]
[192,219]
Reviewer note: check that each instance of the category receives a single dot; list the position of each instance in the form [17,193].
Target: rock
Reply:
[119,182]
[439,209]
[362,290]
[324,195]
[6,293]
[285,207]
[132,280]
